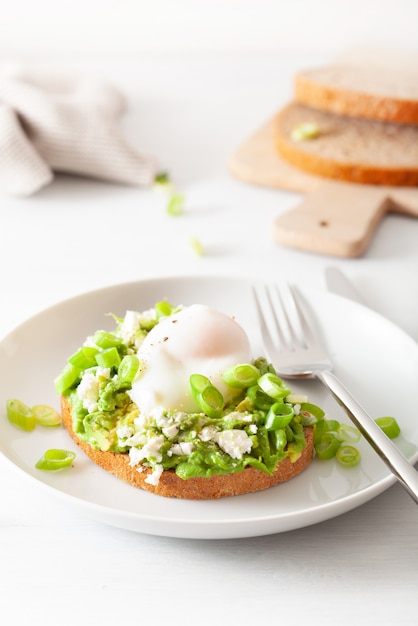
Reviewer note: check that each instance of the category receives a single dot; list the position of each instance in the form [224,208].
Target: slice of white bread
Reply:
[374,93]
[172,486]
[350,149]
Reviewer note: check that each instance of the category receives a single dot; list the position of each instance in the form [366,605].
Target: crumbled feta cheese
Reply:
[149,314]
[253,428]
[179,416]
[161,420]
[143,421]
[129,326]
[103,372]
[154,478]
[88,389]
[171,431]
[135,456]
[184,447]
[158,414]
[241,416]
[234,442]
[150,450]
[137,439]
[89,343]
[207,433]
[124,432]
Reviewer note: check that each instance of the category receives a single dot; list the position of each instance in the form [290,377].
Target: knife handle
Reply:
[398,464]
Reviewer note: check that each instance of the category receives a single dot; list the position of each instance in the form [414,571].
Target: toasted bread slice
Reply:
[172,486]
[373,93]
[349,149]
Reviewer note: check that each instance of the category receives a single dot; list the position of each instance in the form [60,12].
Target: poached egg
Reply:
[196,340]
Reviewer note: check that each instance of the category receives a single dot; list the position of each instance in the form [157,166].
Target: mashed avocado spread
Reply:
[260,427]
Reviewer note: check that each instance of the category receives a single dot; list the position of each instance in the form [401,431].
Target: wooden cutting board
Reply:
[333,218]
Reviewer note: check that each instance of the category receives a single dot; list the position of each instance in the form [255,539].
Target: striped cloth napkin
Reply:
[54,122]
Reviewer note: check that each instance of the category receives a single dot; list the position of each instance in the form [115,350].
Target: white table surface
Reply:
[57,565]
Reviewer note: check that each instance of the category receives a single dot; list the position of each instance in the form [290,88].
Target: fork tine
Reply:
[273,311]
[308,335]
[277,307]
[267,339]
[294,332]
[271,308]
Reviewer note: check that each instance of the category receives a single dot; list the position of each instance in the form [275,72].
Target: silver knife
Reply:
[338,283]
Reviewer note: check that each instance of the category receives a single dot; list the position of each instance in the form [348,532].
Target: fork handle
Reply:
[385,448]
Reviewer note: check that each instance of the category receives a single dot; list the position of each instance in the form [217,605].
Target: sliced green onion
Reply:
[349,434]
[108,358]
[128,368]
[55,459]
[208,397]
[319,430]
[279,439]
[389,425]
[198,383]
[310,410]
[162,182]
[20,415]
[162,178]
[66,379]
[211,401]
[46,415]
[241,376]
[163,309]
[297,398]
[309,414]
[348,456]
[332,425]
[84,358]
[106,340]
[273,386]
[306,420]
[327,447]
[306,130]
[197,246]
[260,399]
[279,416]
[175,205]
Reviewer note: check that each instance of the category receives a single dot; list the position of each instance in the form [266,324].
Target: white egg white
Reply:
[196,340]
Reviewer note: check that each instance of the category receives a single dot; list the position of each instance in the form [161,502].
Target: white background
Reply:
[199,76]
[124,27]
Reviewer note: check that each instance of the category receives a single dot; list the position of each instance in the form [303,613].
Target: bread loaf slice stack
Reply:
[365,120]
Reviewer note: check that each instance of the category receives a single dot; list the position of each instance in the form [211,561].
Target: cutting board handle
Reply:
[336,219]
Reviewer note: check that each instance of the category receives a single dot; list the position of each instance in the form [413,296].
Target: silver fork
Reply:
[299,355]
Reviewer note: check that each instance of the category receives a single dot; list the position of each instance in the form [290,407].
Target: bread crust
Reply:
[172,486]
[345,91]
[348,149]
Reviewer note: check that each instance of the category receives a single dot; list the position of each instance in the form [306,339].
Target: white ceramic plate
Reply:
[377,361]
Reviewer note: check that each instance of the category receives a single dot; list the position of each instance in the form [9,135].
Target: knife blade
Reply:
[338,283]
